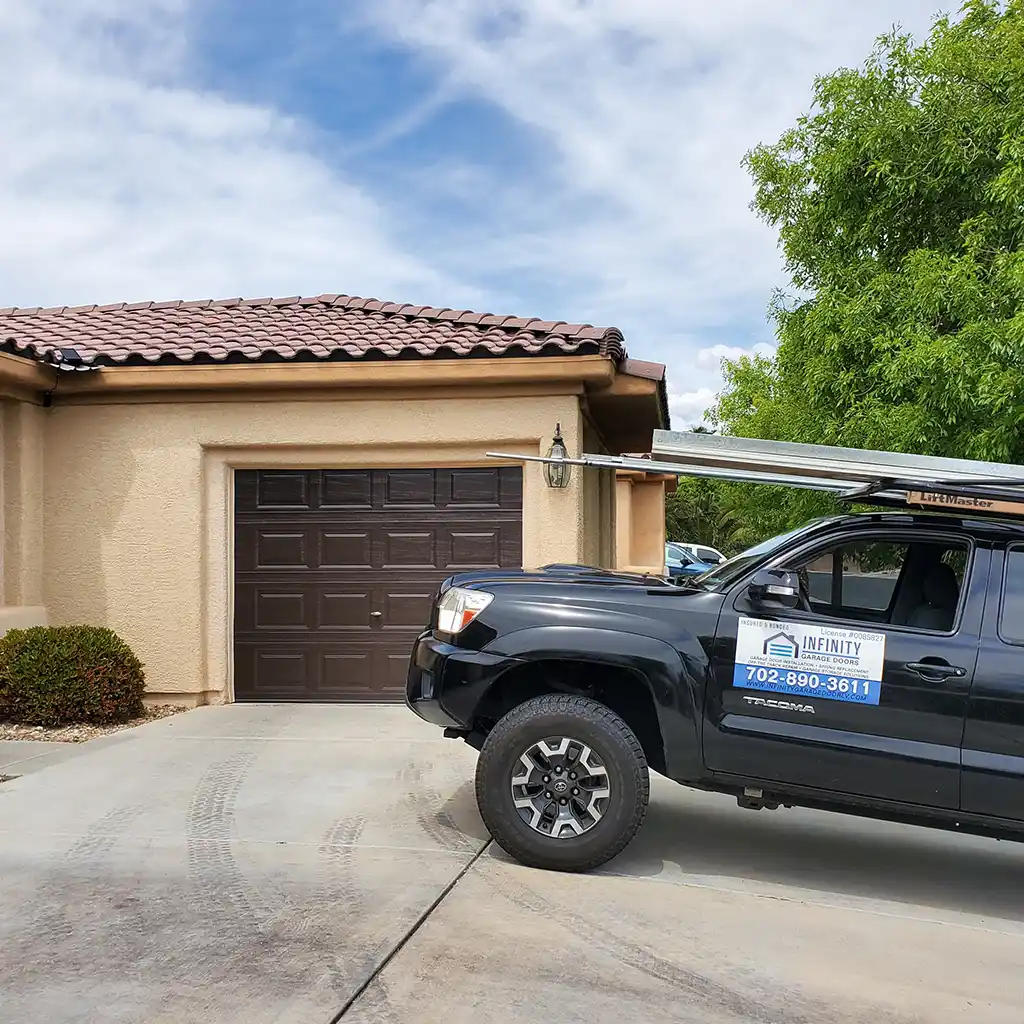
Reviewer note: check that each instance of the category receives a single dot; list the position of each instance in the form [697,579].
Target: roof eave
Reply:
[630,408]
[25,379]
[583,371]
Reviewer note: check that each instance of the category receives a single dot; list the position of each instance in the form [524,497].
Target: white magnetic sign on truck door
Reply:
[809,660]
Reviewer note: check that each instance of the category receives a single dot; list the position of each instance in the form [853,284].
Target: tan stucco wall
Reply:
[138,503]
[640,524]
[623,522]
[598,528]
[22,434]
[648,542]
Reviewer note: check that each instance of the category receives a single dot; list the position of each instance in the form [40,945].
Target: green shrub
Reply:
[56,675]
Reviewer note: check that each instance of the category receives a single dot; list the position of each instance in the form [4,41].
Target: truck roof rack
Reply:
[888,479]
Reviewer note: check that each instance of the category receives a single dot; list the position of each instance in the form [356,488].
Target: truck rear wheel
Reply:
[562,783]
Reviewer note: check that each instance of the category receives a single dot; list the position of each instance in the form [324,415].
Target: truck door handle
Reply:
[376,615]
[939,670]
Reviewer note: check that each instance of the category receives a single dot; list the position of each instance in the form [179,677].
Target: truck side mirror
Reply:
[774,588]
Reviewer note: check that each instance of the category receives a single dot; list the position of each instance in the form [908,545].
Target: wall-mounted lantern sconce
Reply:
[557,475]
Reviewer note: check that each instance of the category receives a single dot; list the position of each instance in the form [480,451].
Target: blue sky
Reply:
[569,159]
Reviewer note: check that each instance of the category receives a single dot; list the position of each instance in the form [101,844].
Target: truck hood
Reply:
[597,600]
[558,573]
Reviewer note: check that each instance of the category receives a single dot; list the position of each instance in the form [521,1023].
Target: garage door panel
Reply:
[336,570]
[281,670]
[284,547]
[471,547]
[276,549]
[510,492]
[346,674]
[475,488]
[405,487]
[282,490]
[281,610]
[478,548]
[347,489]
[345,610]
[349,549]
[394,668]
[402,550]
[511,545]
[272,673]
[407,611]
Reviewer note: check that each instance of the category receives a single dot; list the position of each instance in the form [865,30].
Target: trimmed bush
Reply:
[59,675]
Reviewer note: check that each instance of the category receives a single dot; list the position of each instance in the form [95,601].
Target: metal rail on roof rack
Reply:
[867,477]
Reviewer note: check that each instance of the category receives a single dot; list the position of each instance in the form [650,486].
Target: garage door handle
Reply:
[376,615]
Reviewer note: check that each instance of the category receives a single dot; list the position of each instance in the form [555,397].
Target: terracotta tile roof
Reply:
[335,327]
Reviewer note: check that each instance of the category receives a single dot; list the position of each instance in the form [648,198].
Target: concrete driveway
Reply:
[311,864]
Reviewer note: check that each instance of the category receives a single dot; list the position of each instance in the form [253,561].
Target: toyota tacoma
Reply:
[870,664]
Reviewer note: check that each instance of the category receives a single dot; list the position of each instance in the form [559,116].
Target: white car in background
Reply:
[701,552]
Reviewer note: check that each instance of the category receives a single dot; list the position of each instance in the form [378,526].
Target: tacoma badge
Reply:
[785,705]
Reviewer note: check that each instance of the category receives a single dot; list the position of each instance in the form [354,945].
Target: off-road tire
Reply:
[614,742]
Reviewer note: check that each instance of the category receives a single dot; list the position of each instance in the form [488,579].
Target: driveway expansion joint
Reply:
[404,940]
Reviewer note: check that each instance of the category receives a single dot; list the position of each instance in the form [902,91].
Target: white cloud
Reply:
[687,407]
[122,182]
[642,110]
[695,382]
[122,179]
[715,354]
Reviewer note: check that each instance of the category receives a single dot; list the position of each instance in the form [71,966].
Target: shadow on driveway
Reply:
[704,834]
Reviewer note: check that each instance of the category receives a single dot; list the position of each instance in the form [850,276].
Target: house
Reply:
[261,496]
[782,645]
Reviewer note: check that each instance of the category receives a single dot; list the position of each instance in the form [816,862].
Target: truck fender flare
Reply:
[669,679]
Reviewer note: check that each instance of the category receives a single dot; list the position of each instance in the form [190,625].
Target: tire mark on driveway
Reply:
[381,1005]
[339,891]
[215,880]
[426,803]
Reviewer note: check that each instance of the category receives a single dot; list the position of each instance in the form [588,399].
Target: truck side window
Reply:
[887,581]
[1011,611]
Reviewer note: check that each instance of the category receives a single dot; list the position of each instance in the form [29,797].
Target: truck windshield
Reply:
[725,573]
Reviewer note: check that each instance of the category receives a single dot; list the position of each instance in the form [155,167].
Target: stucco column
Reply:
[647,544]
[21,432]
[640,522]
[623,522]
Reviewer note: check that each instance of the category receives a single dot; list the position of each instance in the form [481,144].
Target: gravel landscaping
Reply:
[82,732]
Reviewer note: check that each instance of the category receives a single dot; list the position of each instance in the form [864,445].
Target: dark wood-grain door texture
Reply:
[335,571]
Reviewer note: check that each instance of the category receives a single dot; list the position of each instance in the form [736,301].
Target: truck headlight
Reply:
[458,608]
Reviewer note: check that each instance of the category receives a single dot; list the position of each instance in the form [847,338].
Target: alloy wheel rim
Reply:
[560,787]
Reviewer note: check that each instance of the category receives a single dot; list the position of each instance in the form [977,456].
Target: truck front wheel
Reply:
[562,783]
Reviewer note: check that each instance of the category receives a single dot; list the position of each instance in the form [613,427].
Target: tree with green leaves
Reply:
[702,511]
[899,201]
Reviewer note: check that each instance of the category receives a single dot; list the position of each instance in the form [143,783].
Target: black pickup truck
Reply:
[871,664]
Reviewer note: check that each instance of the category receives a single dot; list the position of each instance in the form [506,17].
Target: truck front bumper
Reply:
[446,683]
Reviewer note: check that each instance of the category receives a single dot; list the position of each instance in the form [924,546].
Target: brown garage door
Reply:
[335,570]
